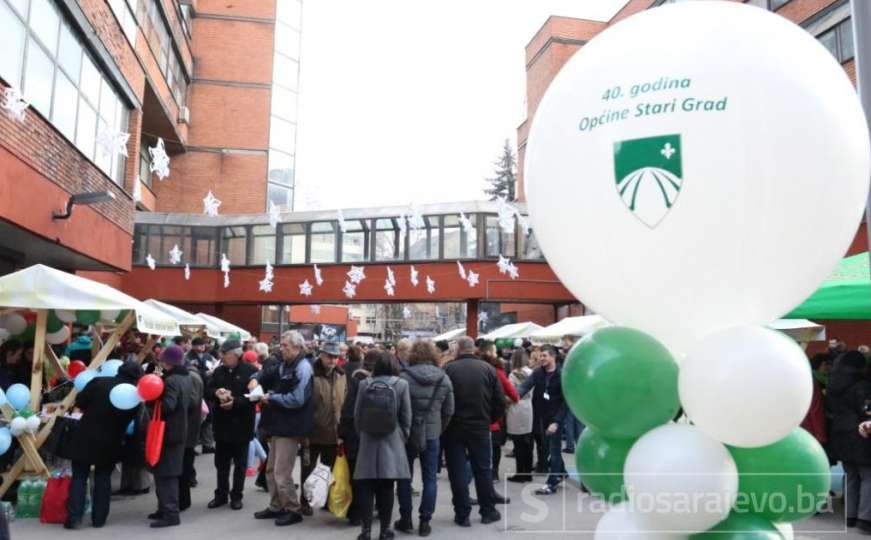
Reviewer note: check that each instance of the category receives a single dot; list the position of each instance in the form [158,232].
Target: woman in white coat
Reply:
[518,420]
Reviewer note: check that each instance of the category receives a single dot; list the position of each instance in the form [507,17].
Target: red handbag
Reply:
[54,500]
[154,436]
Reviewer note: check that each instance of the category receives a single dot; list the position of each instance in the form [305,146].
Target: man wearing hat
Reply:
[329,395]
[232,421]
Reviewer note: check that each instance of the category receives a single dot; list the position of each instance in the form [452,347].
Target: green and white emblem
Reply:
[649,175]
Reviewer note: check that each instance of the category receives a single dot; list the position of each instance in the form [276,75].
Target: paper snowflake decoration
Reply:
[503,264]
[349,289]
[149,260]
[305,288]
[137,189]
[466,223]
[187,272]
[391,277]
[318,278]
[406,312]
[356,274]
[269,271]
[175,254]
[461,269]
[413,276]
[415,220]
[225,263]
[430,285]
[112,142]
[274,214]
[316,310]
[388,288]
[472,278]
[513,272]
[266,285]
[211,205]
[482,317]
[15,103]
[340,217]
[226,280]
[506,214]
[159,160]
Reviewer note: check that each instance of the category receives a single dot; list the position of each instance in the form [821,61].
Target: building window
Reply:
[262,244]
[186,16]
[44,57]
[323,242]
[423,243]
[774,5]
[529,248]
[279,195]
[292,243]
[235,245]
[387,240]
[498,241]
[354,241]
[159,39]
[458,244]
[839,40]
[126,19]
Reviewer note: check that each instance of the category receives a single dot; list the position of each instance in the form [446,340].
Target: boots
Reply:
[366,530]
[386,533]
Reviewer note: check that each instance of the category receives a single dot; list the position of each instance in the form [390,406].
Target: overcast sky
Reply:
[410,100]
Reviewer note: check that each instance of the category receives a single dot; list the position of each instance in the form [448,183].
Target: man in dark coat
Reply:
[175,408]
[478,402]
[233,422]
[203,362]
[97,441]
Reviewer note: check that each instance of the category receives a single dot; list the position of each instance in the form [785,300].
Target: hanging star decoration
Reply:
[466,224]
[305,288]
[391,277]
[356,274]
[211,205]
[506,213]
[388,288]
[274,214]
[159,160]
[149,260]
[406,312]
[430,285]
[316,310]
[137,189]
[225,268]
[472,278]
[318,278]
[226,280]
[340,217]
[187,272]
[112,142]
[415,219]
[507,267]
[461,269]
[413,276]
[513,272]
[15,103]
[350,289]
[175,255]
[266,283]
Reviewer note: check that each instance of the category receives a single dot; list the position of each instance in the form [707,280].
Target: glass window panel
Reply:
[293,243]
[70,53]
[173,236]
[354,241]
[45,22]
[279,195]
[492,236]
[102,159]
[284,103]
[830,41]
[775,4]
[453,240]
[509,249]
[86,130]
[387,240]
[424,243]
[234,245]
[38,78]
[154,237]
[12,45]
[281,168]
[282,135]
[66,99]
[91,80]
[263,248]
[289,11]
[107,102]
[286,40]
[285,71]
[323,242]
[139,241]
[21,7]
[846,31]
[203,252]
[529,248]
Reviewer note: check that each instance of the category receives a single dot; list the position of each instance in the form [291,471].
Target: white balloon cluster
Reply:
[20,425]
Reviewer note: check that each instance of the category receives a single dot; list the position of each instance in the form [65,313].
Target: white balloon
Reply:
[18,425]
[32,424]
[680,478]
[684,222]
[14,323]
[785,530]
[65,315]
[746,386]
[109,314]
[56,338]
[621,523]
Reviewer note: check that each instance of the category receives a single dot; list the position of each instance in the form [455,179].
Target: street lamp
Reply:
[84,199]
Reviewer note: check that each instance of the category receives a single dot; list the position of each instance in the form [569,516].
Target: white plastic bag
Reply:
[317,485]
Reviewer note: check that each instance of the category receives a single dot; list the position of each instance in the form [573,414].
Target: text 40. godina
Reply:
[589,123]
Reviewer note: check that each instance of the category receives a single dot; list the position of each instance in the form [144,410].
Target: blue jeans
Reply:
[478,448]
[429,462]
[573,428]
[557,466]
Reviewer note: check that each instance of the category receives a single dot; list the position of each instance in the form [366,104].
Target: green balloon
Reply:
[25,413]
[87,316]
[788,480]
[53,324]
[600,462]
[28,336]
[621,382]
[740,526]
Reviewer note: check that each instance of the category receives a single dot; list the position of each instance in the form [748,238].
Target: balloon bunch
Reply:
[22,325]
[17,396]
[125,396]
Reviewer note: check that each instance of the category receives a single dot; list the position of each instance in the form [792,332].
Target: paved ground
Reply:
[570,514]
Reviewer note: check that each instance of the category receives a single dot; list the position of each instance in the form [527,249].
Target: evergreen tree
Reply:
[502,186]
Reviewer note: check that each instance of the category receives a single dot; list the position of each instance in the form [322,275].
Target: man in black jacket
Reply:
[550,410]
[203,362]
[233,422]
[478,402]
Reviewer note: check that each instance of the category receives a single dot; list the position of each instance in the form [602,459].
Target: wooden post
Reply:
[52,358]
[38,360]
[147,348]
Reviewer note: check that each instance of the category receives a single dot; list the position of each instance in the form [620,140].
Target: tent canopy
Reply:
[43,287]
[570,326]
[845,295]
[450,335]
[801,330]
[224,328]
[186,321]
[516,330]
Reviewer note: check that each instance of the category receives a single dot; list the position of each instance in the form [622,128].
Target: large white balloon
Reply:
[18,425]
[675,174]
[14,323]
[56,338]
[32,424]
[621,523]
[746,386]
[680,478]
[65,315]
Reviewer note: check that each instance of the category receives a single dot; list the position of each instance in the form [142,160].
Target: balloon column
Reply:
[676,178]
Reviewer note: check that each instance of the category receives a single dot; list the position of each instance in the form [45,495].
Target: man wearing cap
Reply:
[329,395]
[233,422]
[287,419]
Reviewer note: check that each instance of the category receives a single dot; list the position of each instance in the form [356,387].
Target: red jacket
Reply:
[815,421]
[510,393]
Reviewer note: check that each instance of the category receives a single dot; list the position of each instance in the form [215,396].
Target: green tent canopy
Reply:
[846,295]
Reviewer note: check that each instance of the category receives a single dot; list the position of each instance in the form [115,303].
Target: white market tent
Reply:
[450,335]
[570,326]
[516,330]
[188,322]
[224,328]
[801,330]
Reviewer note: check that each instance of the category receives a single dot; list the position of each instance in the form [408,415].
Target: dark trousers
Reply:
[325,452]
[429,462]
[497,440]
[477,447]
[184,482]
[523,454]
[557,466]
[355,512]
[573,429]
[542,449]
[226,455]
[167,490]
[102,493]
[380,491]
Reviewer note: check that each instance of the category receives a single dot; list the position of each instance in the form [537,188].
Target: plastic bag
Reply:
[54,500]
[340,497]
[317,485]
[154,436]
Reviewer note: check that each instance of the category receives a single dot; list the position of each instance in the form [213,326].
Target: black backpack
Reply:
[378,407]
[417,438]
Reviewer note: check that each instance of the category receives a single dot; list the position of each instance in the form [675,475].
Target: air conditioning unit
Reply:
[184,115]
